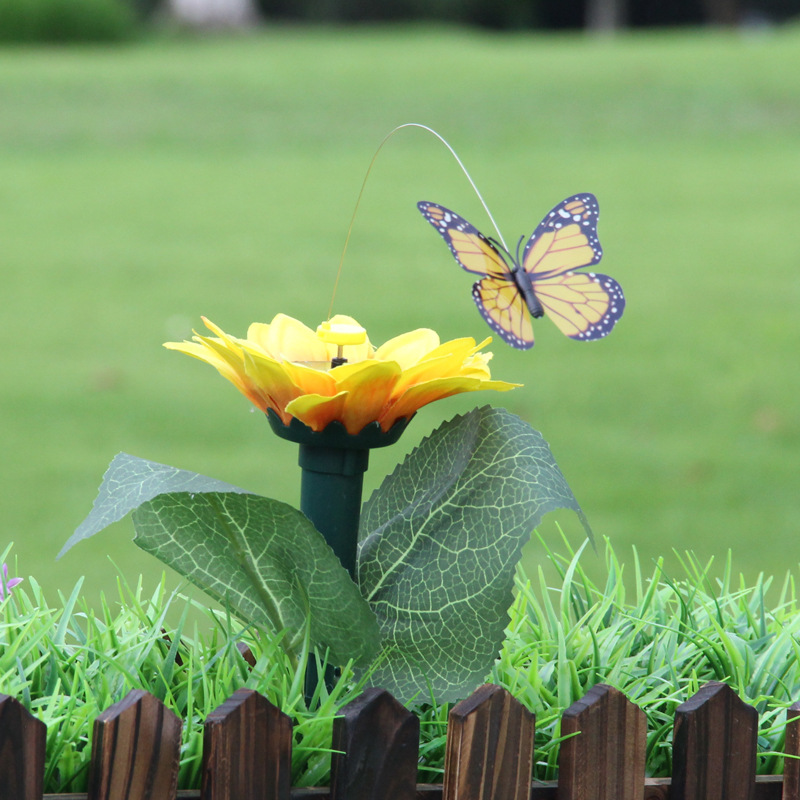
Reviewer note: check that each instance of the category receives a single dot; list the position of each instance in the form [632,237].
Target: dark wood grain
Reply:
[135,751]
[489,748]
[768,787]
[22,752]
[604,758]
[791,765]
[714,746]
[379,743]
[247,750]
[246,653]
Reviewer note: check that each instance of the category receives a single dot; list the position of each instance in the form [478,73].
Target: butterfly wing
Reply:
[496,295]
[583,305]
[565,239]
[473,251]
[502,306]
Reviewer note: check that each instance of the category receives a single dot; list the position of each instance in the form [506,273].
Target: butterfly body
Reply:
[525,287]
[544,280]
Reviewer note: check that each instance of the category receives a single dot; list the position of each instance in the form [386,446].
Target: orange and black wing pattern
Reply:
[503,307]
[583,305]
[496,295]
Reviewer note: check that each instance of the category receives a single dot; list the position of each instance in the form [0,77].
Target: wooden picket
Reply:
[247,746]
[378,741]
[489,748]
[22,751]
[714,746]
[136,750]
[613,739]
[247,750]
[791,746]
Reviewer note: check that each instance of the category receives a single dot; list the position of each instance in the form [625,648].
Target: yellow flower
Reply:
[286,366]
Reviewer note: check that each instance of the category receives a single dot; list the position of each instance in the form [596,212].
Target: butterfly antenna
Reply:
[519,247]
[364,183]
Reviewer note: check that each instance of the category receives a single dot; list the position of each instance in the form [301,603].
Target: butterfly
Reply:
[583,305]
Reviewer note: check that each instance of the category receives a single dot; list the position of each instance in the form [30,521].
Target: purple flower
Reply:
[7,584]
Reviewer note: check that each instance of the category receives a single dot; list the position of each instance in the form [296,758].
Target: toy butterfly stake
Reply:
[584,305]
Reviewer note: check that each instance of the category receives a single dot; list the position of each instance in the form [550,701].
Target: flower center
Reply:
[340,334]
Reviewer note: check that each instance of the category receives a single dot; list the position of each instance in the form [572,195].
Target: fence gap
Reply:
[714,746]
[605,759]
[489,748]
[135,750]
[22,752]
[247,750]
[379,740]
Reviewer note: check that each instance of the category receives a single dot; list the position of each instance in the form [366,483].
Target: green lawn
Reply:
[144,185]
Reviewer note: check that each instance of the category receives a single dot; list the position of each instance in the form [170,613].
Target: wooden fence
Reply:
[247,751]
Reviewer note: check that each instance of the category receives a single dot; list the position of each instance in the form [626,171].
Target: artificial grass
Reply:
[148,184]
[658,643]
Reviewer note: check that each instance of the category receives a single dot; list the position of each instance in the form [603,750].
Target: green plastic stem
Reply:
[330,496]
[333,464]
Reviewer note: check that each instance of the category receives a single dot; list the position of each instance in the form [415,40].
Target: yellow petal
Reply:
[409,348]
[420,395]
[464,348]
[369,385]
[478,366]
[355,353]
[453,358]
[272,382]
[227,347]
[220,360]
[258,335]
[446,366]
[344,319]
[190,348]
[289,340]
[228,371]
[372,366]
[310,380]
[230,342]
[317,411]
[217,348]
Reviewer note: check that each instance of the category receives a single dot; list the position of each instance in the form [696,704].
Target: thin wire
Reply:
[364,183]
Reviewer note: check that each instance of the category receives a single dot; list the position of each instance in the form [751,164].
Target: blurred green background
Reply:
[146,184]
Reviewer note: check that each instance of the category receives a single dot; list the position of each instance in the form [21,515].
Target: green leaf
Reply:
[267,561]
[439,543]
[276,574]
[130,481]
